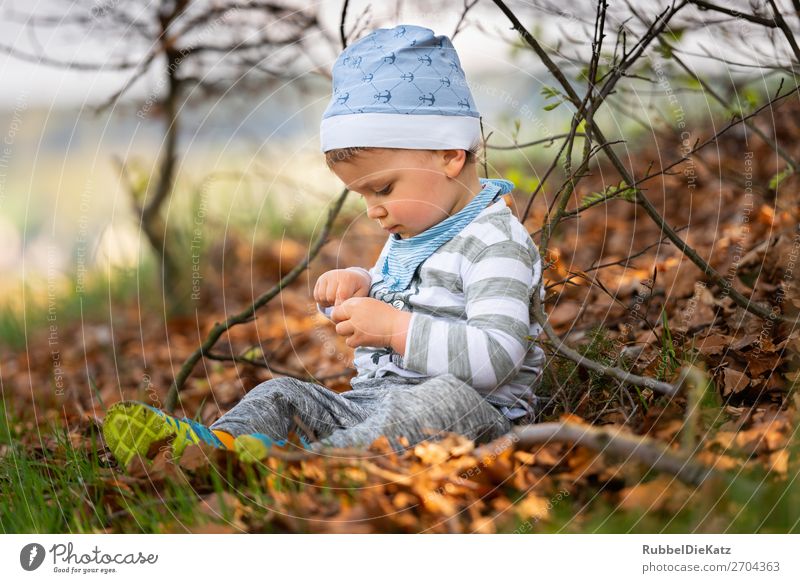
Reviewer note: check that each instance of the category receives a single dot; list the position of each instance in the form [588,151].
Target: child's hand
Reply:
[371,322]
[338,285]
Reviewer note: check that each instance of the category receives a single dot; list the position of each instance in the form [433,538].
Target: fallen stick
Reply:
[618,444]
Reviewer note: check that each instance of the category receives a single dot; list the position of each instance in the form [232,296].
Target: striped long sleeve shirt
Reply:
[471,314]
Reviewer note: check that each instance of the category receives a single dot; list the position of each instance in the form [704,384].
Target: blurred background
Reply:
[86,84]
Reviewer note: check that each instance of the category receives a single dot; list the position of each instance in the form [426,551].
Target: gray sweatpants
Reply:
[391,406]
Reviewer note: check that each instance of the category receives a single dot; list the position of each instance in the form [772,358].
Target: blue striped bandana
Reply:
[405,255]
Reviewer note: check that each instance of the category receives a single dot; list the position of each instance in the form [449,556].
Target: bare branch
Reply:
[652,212]
[547,141]
[275,370]
[619,444]
[73,65]
[787,32]
[467,7]
[249,313]
[703,5]
[342,35]
[587,363]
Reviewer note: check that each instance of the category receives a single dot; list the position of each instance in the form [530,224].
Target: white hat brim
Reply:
[398,130]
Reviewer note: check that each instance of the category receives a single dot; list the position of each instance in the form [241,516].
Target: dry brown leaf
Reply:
[564,313]
[761,362]
[668,430]
[194,457]
[525,457]
[218,506]
[661,493]
[762,438]
[713,344]
[533,506]
[572,418]
[718,461]
[438,504]
[483,525]
[735,382]
[431,452]
[546,457]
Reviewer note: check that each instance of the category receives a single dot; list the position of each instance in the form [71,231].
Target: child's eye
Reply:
[385,190]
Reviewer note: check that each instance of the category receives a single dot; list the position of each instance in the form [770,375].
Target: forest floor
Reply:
[650,310]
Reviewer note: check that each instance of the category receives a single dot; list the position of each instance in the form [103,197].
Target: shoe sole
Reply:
[130,429]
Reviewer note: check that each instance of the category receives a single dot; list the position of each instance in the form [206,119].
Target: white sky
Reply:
[50,86]
[44,85]
[40,85]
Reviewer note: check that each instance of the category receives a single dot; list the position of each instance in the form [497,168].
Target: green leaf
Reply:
[612,191]
[552,106]
[780,177]
[751,96]
[254,353]
[549,92]
[676,34]
[593,197]
[629,195]
[691,82]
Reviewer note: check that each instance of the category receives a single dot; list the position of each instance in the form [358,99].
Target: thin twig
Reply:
[342,35]
[609,371]
[702,5]
[467,7]
[249,314]
[273,369]
[727,287]
[548,140]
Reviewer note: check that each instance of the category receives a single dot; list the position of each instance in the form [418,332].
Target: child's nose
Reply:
[376,211]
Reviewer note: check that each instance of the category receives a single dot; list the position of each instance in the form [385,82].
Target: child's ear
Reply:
[454,161]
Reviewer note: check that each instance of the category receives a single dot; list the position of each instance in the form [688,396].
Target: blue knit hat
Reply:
[400,87]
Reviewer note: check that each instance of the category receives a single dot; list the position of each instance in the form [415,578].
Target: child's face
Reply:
[407,191]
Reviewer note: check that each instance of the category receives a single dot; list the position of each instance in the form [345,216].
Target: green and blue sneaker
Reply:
[131,427]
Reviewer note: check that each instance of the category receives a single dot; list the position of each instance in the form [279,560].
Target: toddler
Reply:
[441,323]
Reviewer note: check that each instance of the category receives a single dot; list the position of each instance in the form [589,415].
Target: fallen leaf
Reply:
[525,457]
[779,462]
[735,382]
[713,344]
[193,458]
[661,493]
[533,506]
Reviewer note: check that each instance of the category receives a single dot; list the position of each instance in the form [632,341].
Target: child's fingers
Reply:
[344,292]
[330,291]
[315,294]
[345,328]
[319,288]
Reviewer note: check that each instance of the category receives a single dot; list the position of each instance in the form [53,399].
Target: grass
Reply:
[102,292]
[63,489]
[751,502]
